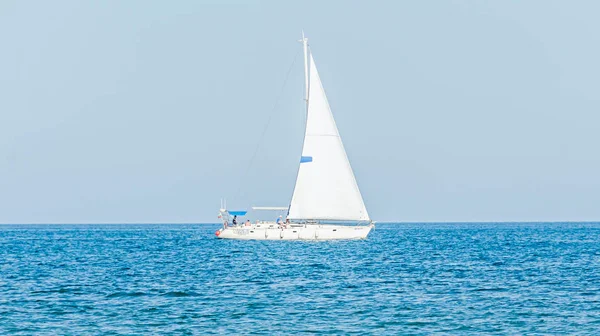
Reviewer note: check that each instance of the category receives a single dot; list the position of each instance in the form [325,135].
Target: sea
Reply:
[404,279]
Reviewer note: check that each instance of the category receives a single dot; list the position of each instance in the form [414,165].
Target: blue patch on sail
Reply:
[237,213]
[304,159]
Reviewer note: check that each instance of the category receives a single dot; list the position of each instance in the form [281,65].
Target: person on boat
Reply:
[235,220]
[248,223]
[279,219]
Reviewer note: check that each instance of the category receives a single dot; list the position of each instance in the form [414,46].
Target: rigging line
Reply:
[260,139]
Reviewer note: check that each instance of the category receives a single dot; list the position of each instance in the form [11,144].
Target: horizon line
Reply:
[376,222]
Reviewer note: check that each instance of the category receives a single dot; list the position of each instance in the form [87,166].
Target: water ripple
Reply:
[540,278]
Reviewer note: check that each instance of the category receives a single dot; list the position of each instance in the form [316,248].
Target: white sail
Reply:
[325,187]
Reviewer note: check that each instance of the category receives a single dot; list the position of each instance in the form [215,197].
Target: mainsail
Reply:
[325,187]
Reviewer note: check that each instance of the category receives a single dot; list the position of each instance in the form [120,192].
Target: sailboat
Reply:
[326,203]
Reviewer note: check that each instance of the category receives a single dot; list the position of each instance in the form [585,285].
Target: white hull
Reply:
[268,231]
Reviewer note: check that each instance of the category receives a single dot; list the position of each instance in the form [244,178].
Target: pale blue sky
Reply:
[139,111]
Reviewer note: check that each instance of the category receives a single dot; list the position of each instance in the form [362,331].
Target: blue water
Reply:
[541,278]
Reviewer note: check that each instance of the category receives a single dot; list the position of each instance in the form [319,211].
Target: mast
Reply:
[304,41]
[305,45]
